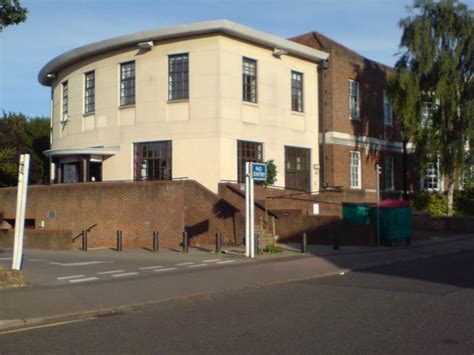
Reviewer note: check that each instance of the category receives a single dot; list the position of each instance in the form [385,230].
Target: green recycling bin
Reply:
[395,224]
[355,213]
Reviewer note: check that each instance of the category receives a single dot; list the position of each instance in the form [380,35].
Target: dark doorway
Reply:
[297,168]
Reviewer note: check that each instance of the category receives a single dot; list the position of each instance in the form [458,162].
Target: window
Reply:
[354,100]
[89,92]
[425,114]
[387,110]
[249,80]
[65,99]
[296,91]
[354,169]
[153,161]
[297,168]
[127,84]
[178,77]
[247,152]
[432,180]
[389,173]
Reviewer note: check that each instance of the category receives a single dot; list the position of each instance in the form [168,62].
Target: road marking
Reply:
[211,260]
[37,260]
[184,264]
[83,263]
[6,258]
[45,326]
[226,262]
[150,267]
[198,265]
[167,269]
[69,277]
[126,274]
[84,280]
[109,272]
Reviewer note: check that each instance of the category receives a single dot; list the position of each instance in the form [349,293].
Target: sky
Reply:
[370,27]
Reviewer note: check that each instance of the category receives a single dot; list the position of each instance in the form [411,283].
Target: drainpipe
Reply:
[51,168]
[322,161]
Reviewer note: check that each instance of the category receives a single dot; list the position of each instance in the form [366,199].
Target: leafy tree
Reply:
[11,13]
[433,88]
[271,174]
[21,135]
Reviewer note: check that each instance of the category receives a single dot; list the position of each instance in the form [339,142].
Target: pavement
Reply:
[69,284]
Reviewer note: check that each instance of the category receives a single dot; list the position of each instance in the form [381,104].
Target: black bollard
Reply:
[156,241]
[335,241]
[218,242]
[257,242]
[304,244]
[84,240]
[185,242]
[119,240]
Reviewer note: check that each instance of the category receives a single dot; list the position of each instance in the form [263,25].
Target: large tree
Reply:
[433,88]
[11,13]
[22,135]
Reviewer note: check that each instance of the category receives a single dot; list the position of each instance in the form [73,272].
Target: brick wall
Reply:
[39,239]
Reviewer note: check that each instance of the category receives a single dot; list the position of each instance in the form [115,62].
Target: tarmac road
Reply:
[424,307]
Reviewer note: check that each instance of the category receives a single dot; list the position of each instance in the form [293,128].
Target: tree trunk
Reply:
[405,170]
[450,195]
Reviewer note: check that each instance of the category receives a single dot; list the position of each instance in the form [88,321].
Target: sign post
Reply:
[23,172]
[253,172]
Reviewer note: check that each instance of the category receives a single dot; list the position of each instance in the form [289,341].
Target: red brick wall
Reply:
[39,239]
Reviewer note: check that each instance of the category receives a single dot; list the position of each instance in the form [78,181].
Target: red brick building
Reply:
[357,127]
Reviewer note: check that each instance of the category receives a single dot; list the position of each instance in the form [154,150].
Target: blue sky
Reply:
[55,26]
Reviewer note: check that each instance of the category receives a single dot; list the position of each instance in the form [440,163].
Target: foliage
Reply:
[435,74]
[11,13]
[273,249]
[23,135]
[434,203]
[464,202]
[271,174]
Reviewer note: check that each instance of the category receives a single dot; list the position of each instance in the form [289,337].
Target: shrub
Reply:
[435,203]
[273,248]
[464,202]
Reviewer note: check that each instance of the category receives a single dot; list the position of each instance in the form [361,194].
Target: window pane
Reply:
[89,99]
[178,77]
[249,80]
[247,152]
[153,161]
[127,83]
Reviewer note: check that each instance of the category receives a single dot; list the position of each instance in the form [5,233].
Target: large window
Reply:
[355,170]
[127,84]
[432,178]
[354,99]
[249,80]
[296,91]
[247,152]
[297,168]
[153,161]
[178,77]
[89,92]
[389,173]
[65,99]
[387,110]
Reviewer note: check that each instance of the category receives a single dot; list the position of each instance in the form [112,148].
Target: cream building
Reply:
[193,101]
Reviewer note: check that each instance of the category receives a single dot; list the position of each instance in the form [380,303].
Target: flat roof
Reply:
[193,29]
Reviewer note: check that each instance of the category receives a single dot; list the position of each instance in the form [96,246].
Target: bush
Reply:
[435,203]
[464,202]
[273,248]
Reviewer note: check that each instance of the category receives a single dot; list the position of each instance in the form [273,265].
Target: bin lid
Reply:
[391,203]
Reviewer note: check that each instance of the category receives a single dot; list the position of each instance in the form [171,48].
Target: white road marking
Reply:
[150,267]
[84,280]
[6,258]
[126,274]
[37,260]
[226,262]
[83,263]
[211,260]
[109,272]
[167,269]
[69,277]
[184,264]
[198,265]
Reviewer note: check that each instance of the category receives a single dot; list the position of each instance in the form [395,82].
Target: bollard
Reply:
[185,242]
[119,240]
[84,240]
[218,242]
[257,242]
[304,244]
[335,241]
[156,241]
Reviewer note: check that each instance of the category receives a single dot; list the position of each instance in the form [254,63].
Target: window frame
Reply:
[389,173]
[241,159]
[356,101]
[297,91]
[387,112]
[359,170]
[250,89]
[89,92]
[432,172]
[178,81]
[124,102]
[167,151]
[65,99]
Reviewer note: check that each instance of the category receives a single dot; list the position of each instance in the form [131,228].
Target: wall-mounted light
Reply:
[277,52]
[145,45]
[51,76]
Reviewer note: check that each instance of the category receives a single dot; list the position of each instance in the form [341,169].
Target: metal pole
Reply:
[256,242]
[218,242]
[156,245]
[252,214]
[304,244]
[335,242]
[119,240]
[378,172]
[185,242]
[247,209]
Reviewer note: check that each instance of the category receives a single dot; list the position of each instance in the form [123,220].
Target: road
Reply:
[423,306]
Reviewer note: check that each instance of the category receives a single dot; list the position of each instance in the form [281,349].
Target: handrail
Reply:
[84,230]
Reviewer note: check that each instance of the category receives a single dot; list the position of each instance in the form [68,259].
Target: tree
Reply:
[433,88]
[21,135]
[11,13]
